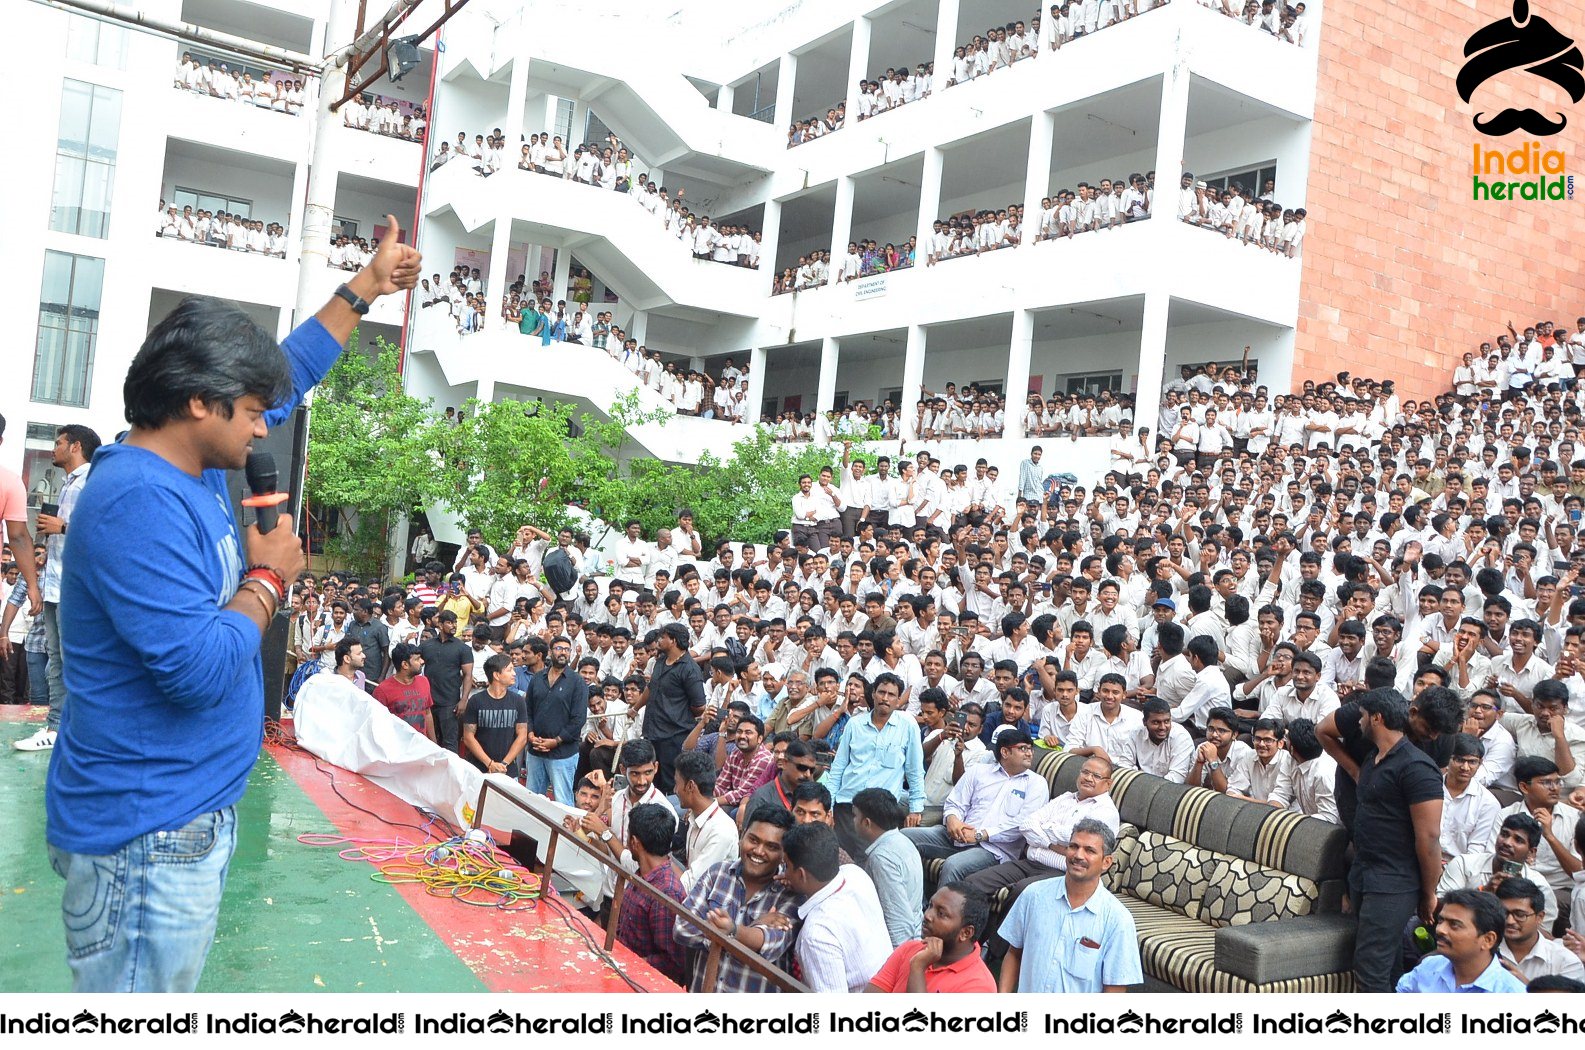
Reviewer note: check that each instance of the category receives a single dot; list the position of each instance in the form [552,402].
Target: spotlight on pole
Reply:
[402,57]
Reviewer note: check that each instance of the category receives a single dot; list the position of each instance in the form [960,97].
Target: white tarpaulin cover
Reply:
[347,727]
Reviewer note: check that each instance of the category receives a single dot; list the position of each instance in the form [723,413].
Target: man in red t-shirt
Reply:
[406,693]
[948,959]
[14,513]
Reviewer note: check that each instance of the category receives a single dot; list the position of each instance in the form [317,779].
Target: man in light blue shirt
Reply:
[1469,929]
[881,751]
[1076,936]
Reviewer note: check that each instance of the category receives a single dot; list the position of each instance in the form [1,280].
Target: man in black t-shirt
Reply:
[673,700]
[448,664]
[1397,840]
[1435,717]
[495,721]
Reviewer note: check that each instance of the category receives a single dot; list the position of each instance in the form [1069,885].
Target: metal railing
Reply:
[719,942]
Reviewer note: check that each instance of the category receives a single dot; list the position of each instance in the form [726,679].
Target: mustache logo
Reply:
[1510,120]
[1521,42]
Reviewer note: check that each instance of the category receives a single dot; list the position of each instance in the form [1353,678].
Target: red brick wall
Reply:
[1402,271]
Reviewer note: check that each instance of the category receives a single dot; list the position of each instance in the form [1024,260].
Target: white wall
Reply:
[270,193]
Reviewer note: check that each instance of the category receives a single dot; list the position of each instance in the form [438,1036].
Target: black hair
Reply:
[698,769]
[638,753]
[976,910]
[814,848]
[208,350]
[881,807]
[1487,911]
[653,825]
[1302,740]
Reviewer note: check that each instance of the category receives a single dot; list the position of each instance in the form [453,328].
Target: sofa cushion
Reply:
[1168,873]
[1176,952]
[1122,857]
[1240,892]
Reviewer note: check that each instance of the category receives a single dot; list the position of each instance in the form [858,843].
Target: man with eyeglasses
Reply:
[1541,797]
[986,811]
[1046,832]
[1496,767]
[1469,811]
[795,764]
[1523,951]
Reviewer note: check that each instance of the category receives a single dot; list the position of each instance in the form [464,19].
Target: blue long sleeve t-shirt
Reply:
[166,687]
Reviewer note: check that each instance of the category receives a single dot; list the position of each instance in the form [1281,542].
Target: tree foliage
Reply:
[377,452]
[370,453]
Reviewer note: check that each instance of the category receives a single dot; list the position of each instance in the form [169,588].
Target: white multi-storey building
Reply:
[704,102]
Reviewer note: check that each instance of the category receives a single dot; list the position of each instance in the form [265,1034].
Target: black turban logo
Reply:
[1531,44]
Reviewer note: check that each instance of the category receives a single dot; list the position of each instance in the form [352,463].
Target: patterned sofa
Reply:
[1227,895]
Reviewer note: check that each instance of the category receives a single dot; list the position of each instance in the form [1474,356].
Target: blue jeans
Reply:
[961,861]
[555,773]
[38,683]
[54,673]
[142,919]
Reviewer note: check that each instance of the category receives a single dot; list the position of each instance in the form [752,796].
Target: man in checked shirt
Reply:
[742,899]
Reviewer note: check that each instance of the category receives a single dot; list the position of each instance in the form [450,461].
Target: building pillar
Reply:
[826,395]
[841,224]
[1016,393]
[930,196]
[913,376]
[725,97]
[1169,167]
[858,65]
[497,281]
[1174,128]
[1037,173]
[580,123]
[770,242]
[786,82]
[756,384]
[484,391]
[639,326]
[563,275]
[1152,359]
[946,41]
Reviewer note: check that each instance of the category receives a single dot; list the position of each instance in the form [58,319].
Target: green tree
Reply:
[746,497]
[370,453]
[509,462]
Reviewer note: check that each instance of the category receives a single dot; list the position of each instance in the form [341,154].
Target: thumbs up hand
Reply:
[395,266]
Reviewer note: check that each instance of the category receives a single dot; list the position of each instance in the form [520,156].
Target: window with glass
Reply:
[1093,384]
[564,123]
[63,359]
[1252,179]
[85,158]
[214,203]
[95,42]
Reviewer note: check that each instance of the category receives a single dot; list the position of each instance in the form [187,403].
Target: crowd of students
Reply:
[273,90]
[1002,46]
[379,115]
[220,229]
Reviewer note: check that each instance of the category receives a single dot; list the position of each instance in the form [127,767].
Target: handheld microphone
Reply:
[262,480]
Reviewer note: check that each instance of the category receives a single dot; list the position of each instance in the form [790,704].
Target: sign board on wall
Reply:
[869,287]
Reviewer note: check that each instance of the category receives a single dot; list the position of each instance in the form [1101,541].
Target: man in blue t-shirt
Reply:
[162,607]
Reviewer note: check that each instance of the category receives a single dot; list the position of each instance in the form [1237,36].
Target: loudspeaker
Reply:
[273,649]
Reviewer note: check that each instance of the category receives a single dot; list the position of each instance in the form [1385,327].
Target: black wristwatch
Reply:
[359,305]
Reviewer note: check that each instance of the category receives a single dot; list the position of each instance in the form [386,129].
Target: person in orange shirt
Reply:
[948,958]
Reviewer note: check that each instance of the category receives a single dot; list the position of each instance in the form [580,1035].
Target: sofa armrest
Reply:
[1303,946]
